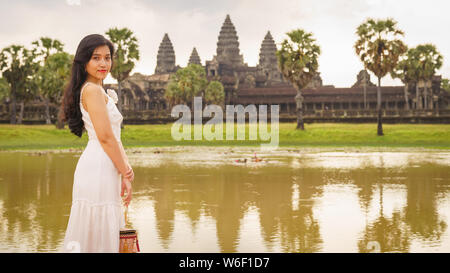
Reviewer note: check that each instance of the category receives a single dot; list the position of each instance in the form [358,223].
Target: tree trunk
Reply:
[47,112]
[431,97]
[59,121]
[380,124]
[119,102]
[417,96]
[365,92]
[13,105]
[406,96]
[119,95]
[299,108]
[22,106]
[300,124]
[425,94]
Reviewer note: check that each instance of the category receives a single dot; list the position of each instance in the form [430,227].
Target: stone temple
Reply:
[143,95]
[144,102]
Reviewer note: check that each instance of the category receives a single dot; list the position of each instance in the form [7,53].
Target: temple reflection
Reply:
[401,209]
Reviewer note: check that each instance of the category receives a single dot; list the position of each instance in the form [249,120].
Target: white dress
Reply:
[96,216]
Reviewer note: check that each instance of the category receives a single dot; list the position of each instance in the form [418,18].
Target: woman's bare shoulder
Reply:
[93,90]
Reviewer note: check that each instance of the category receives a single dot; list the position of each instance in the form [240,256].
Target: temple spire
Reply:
[194,59]
[228,44]
[268,51]
[268,62]
[165,60]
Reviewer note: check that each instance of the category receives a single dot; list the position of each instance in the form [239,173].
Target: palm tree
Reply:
[45,47]
[429,60]
[379,49]
[405,72]
[127,53]
[445,85]
[298,61]
[4,89]
[186,84]
[415,73]
[17,65]
[52,78]
[28,92]
[214,93]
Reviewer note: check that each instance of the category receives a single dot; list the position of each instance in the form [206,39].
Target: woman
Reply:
[103,173]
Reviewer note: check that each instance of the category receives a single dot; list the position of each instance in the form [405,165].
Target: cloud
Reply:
[73,2]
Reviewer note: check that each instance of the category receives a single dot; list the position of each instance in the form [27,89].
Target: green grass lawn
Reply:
[24,137]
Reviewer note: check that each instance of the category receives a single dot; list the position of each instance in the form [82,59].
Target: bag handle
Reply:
[125,214]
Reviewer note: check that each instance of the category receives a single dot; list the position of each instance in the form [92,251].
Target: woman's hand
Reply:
[129,174]
[126,187]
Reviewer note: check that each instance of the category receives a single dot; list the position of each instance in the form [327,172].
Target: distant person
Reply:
[103,173]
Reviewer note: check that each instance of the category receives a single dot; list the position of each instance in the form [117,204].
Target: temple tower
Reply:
[316,81]
[194,59]
[165,60]
[268,59]
[267,53]
[363,78]
[228,45]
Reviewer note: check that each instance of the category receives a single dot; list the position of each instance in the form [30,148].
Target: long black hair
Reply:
[71,99]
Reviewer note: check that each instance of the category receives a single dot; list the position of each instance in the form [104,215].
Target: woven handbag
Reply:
[128,239]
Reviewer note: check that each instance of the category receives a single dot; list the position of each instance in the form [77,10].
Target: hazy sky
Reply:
[196,23]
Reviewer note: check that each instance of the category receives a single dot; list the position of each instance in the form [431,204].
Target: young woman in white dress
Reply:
[102,174]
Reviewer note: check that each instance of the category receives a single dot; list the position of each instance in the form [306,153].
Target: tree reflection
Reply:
[165,209]
[227,193]
[421,212]
[419,218]
[194,192]
[390,234]
[36,195]
[296,228]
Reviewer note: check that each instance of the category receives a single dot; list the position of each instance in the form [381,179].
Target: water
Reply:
[191,199]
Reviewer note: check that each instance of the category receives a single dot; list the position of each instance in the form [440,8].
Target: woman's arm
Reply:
[122,151]
[95,102]
[130,170]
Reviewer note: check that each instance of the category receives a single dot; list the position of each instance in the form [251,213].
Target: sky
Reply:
[197,23]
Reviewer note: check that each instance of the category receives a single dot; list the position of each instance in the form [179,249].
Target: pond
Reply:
[220,199]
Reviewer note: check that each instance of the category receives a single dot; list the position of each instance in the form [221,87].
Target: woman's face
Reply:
[99,65]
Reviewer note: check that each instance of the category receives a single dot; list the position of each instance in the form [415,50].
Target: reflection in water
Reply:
[291,202]
[35,194]
[421,212]
[389,233]
[418,219]
[295,226]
